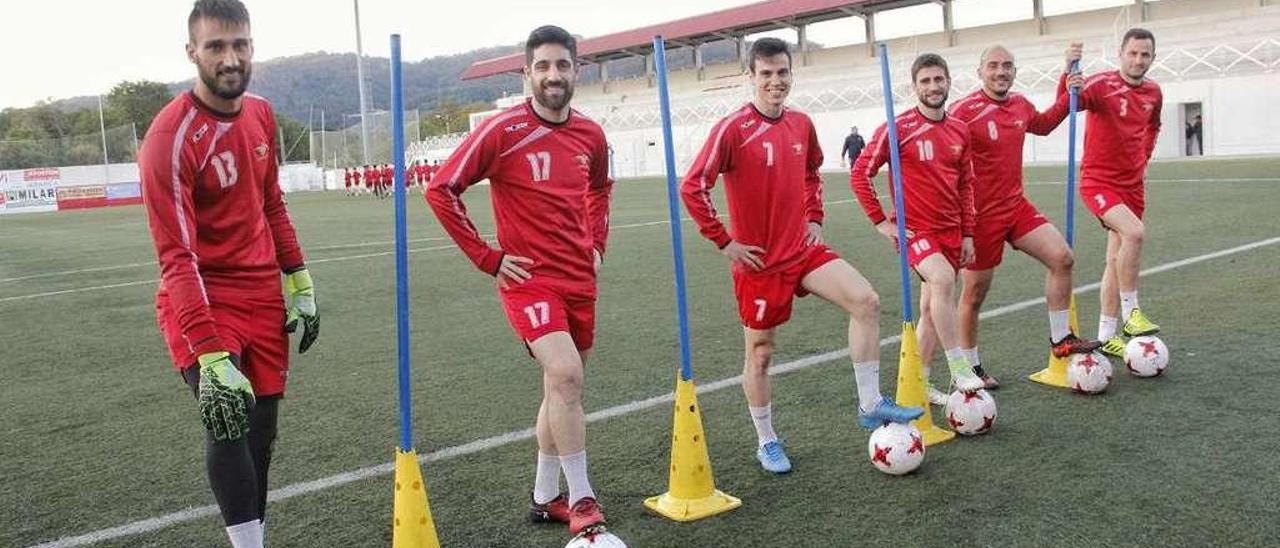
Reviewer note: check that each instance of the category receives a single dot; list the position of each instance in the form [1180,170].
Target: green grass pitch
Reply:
[97,431]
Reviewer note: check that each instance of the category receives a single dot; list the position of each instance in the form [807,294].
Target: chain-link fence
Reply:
[72,150]
[342,148]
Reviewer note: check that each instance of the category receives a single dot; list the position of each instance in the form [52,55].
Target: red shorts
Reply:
[542,306]
[993,231]
[252,327]
[1101,198]
[764,300]
[924,244]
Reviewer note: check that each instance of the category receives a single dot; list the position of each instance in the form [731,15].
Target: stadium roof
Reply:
[719,25]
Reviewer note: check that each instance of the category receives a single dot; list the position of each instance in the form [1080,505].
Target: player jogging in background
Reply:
[355,180]
[223,239]
[368,179]
[1119,138]
[769,156]
[999,121]
[937,186]
[346,180]
[388,180]
[549,181]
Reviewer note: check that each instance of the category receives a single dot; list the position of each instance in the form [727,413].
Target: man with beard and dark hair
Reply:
[999,121]
[548,169]
[769,156]
[937,187]
[1119,139]
[223,238]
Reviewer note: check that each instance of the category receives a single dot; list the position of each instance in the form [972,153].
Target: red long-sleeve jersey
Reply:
[997,131]
[549,184]
[1120,131]
[937,173]
[771,181]
[216,211]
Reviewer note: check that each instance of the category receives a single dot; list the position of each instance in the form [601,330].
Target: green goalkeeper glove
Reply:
[225,397]
[301,304]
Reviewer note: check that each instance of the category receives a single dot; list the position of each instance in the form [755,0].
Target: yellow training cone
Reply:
[1055,374]
[911,388]
[413,526]
[692,491]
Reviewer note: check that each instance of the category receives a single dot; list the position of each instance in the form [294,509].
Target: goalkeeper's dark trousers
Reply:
[238,469]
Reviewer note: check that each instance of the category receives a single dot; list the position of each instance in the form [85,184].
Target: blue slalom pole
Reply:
[402,247]
[895,169]
[673,207]
[1071,159]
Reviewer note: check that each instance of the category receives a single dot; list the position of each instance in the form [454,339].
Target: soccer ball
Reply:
[602,540]
[1089,373]
[971,413]
[896,449]
[1146,356]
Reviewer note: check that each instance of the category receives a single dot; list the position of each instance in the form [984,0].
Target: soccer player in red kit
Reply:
[999,121]
[937,186]
[355,180]
[223,238]
[549,182]
[1119,138]
[769,155]
[388,180]
[346,180]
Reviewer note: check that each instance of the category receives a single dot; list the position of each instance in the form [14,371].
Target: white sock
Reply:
[546,482]
[762,417]
[1059,325]
[954,354]
[246,535]
[972,354]
[575,473]
[867,376]
[1128,302]
[1106,327]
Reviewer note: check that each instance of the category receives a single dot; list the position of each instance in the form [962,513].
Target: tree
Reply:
[450,117]
[294,145]
[137,102]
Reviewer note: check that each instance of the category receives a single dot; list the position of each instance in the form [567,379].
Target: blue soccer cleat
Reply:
[887,411]
[773,458]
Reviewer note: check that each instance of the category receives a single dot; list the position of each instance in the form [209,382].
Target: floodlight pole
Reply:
[364,128]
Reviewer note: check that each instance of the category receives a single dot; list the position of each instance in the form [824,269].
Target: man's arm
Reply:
[813,179]
[167,187]
[598,196]
[713,160]
[1153,131]
[471,162]
[868,164]
[288,253]
[968,214]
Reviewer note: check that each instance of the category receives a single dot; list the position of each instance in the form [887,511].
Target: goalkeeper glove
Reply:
[301,305]
[225,397]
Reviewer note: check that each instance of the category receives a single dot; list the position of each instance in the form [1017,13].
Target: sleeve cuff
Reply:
[877,217]
[722,240]
[491,261]
[203,339]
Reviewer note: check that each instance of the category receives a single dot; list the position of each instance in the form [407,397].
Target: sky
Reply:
[65,48]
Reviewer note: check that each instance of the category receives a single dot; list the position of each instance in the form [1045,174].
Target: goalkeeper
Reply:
[223,239]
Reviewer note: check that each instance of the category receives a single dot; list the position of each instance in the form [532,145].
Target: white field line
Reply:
[515,436]
[309,261]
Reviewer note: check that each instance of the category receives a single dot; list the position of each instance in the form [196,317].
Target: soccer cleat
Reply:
[555,510]
[1139,325]
[963,376]
[989,382]
[886,411]
[1114,347]
[586,516]
[773,458]
[1071,344]
[936,397]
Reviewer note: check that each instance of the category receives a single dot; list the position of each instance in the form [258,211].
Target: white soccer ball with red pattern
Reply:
[896,449]
[602,540]
[971,413]
[1146,356]
[1089,373]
